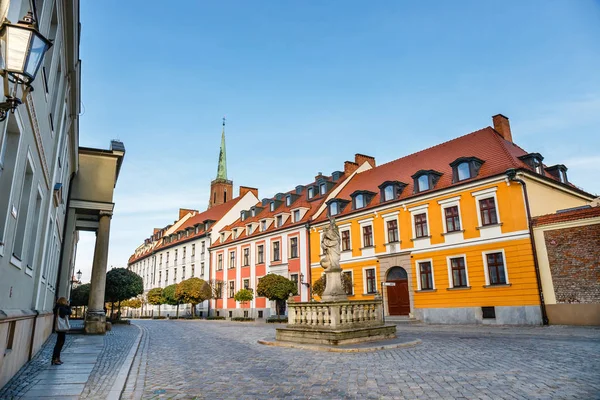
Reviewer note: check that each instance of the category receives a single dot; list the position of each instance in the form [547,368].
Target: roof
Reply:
[212,214]
[497,154]
[302,202]
[567,215]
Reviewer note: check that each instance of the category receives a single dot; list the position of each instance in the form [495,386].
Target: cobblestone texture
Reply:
[222,360]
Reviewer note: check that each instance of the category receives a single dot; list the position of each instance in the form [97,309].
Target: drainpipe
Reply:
[512,176]
[309,267]
[62,246]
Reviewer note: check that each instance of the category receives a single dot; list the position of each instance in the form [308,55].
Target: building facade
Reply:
[447,229]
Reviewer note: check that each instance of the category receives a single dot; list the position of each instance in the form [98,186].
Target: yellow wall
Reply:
[545,199]
[518,263]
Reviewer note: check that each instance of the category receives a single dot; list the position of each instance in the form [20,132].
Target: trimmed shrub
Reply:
[159,317]
[214,317]
[242,319]
[272,320]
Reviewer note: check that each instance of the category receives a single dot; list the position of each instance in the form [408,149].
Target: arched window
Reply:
[396,273]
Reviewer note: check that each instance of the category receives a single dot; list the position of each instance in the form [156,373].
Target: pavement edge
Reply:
[291,345]
[121,379]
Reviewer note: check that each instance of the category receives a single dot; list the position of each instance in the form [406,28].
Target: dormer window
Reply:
[235,233]
[311,192]
[334,208]
[322,188]
[222,237]
[534,161]
[272,206]
[279,221]
[390,190]
[288,200]
[296,215]
[249,227]
[263,225]
[253,211]
[559,172]
[465,168]
[425,180]
[243,215]
[361,199]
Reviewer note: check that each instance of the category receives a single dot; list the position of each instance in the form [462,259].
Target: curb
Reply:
[121,379]
[339,349]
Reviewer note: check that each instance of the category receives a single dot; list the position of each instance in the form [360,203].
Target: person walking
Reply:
[61,315]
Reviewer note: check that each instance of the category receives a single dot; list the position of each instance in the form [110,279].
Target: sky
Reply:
[305,85]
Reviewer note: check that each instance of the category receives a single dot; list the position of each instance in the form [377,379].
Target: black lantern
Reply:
[79,275]
[23,49]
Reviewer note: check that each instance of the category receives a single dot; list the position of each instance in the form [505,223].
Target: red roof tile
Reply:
[571,215]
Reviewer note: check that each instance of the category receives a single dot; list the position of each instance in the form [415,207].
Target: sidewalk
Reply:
[94,367]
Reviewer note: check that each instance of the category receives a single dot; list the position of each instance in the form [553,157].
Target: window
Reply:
[421,225]
[182,272]
[175,254]
[296,215]
[231,289]
[261,254]
[487,208]
[159,277]
[370,280]
[260,314]
[388,193]
[359,201]
[563,176]
[183,256]
[272,206]
[246,256]
[345,240]
[349,290]
[463,171]
[534,161]
[367,236]
[23,212]
[166,277]
[452,219]
[294,278]
[246,284]
[294,247]
[203,247]
[219,291]
[174,275]
[243,215]
[288,200]
[423,182]
[263,225]
[334,208]
[279,221]
[425,275]
[392,228]
[219,262]
[202,269]
[193,270]
[458,272]
[232,259]
[275,251]
[253,211]
[323,188]
[311,192]
[193,250]
[495,266]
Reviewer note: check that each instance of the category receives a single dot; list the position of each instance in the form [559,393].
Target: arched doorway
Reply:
[397,295]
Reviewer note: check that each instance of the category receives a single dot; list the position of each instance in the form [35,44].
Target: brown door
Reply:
[398,300]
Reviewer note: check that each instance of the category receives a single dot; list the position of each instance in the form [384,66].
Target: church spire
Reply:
[222,168]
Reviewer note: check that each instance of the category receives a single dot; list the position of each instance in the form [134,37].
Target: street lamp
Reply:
[23,49]
[79,275]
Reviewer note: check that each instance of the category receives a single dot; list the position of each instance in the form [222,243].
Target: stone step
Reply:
[400,319]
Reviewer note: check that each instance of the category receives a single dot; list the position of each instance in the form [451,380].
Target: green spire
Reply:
[222,169]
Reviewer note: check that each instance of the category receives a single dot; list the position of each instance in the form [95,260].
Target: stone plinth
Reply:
[95,323]
[339,322]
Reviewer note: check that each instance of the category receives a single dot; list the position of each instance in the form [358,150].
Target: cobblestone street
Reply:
[215,360]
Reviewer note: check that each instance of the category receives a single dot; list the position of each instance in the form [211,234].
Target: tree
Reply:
[276,288]
[244,296]
[156,298]
[193,291]
[171,298]
[319,286]
[80,296]
[122,284]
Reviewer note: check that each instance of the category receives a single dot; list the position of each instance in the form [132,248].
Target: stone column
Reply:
[95,321]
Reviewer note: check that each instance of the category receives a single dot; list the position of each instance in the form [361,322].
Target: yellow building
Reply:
[448,229]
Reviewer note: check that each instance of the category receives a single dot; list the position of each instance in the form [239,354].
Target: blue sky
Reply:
[307,84]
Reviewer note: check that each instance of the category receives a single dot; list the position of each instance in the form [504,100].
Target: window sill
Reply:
[346,251]
[396,242]
[367,247]
[501,285]
[489,226]
[244,266]
[293,258]
[369,294]
[459,288]
[419,238]
[450,233]
[426,290]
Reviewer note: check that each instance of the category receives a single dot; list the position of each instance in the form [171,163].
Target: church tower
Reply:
[221,189]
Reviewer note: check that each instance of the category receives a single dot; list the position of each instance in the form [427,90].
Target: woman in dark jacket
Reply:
[61,310]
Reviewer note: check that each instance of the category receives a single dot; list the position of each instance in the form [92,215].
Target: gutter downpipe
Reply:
[309,266]
[512,176]
[62,247]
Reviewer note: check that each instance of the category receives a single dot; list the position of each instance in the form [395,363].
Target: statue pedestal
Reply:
[334,289]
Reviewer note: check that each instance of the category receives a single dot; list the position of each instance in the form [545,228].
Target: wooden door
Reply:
[398,300]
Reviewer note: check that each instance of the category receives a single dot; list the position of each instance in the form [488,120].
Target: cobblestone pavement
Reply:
[97,381]
[222,360]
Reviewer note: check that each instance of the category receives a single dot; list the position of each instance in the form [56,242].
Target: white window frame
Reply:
[351,271]
[418,273]
[347,228]
[299,215]
[486,270]
[364,223]
[228,288]
[364,271]
[485,194]
[391,217]
[272,206]
[447,203]
[230,252]
[417,211]
[322,188]
[449,266]
[288,200]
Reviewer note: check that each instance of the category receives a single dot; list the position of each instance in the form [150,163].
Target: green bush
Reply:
[159,317]
[242,319]
[121,322]
[215,317]
[272,320]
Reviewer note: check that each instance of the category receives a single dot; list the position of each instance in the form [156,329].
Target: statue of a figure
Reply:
[331,246]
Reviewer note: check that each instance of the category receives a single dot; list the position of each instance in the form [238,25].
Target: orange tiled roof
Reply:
[214,213]
[301,202]
[570,215]
[486,144]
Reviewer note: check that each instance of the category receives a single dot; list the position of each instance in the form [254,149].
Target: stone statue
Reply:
[331,247]
[334,291]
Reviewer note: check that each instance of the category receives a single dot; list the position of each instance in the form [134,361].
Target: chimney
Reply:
[246,189]
[319,175]
[350,167]
[502,126]
[184,211]
[361,158]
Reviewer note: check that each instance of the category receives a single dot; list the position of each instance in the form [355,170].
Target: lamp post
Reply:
[23,49]
[79,276]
